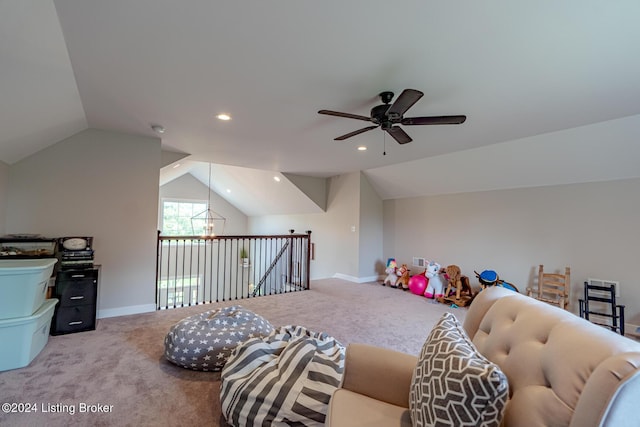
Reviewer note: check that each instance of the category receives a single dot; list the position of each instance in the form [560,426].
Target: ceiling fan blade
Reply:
[407,98]
[354,133]
[345,115]
[399,135]
[434,120]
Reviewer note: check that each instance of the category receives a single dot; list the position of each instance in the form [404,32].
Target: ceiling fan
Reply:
[387,115]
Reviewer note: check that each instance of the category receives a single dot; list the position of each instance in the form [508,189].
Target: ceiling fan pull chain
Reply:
[384,144]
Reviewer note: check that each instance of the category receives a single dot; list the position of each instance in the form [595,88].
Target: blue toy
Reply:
[491,278]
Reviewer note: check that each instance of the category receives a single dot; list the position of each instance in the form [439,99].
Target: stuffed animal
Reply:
[403,277]
[392,277]
[435,287]
[452,274]
[455,282]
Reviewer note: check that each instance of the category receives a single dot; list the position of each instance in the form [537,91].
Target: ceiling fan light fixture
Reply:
[388,116]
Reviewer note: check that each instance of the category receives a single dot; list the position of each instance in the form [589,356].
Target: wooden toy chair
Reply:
[553,288]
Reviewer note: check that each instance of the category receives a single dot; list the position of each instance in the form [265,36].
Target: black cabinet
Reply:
[77,291]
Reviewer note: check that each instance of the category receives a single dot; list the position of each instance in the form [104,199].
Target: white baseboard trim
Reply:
[632,330]
[125,311]
[355,279]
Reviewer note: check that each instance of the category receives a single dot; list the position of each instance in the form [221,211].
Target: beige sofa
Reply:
[562,370]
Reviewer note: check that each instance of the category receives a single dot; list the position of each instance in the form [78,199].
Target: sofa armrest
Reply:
[379,373]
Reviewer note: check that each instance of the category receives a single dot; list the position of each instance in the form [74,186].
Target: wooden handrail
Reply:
[235,237]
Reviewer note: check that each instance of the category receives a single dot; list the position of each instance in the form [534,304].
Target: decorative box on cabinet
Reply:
[77,291]
[26,246]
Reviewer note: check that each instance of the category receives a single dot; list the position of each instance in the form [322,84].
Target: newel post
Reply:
[308,273]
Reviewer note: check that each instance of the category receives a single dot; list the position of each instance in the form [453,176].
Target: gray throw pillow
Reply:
[453,384]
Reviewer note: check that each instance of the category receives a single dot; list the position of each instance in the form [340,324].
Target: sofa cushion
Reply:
[453,384]
[562,369]
[350,409]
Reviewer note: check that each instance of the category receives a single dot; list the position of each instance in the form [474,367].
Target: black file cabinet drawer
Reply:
[70,276]
[77,291]
[81,292]
[75,319]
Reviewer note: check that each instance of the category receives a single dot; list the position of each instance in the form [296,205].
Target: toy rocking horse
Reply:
[455,280]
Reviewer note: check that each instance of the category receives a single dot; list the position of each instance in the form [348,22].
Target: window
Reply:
[177,214]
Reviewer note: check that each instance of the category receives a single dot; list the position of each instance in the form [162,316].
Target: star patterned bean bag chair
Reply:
[204,342]
[286,378]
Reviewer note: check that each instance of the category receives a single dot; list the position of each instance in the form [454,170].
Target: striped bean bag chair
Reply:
[204,342]
[286,378]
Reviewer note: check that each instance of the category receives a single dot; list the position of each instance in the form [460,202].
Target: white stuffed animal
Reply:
[391,278]
[436,284]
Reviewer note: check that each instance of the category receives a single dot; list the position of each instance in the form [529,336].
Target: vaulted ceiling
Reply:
[536,80]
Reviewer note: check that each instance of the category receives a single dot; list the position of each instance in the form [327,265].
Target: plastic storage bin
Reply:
[23,285]
[23,338]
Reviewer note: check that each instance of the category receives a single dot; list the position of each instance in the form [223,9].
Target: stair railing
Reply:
[193,270]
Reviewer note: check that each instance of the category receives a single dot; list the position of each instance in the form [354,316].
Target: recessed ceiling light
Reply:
[362,148]
[276,178]
[228,190]
[223,116]
[157,128]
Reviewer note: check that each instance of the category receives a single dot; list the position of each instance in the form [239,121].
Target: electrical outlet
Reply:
[418,262]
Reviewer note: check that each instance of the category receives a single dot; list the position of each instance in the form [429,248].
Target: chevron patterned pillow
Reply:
[453,384]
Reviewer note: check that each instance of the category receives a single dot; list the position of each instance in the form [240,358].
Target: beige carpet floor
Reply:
[121,366]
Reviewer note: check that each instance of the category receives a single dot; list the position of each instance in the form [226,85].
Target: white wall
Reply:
[99,184]
[592,228]
[336,246]
[189,188]
[370,263]
[314,188]
[347,238]
[4,185]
